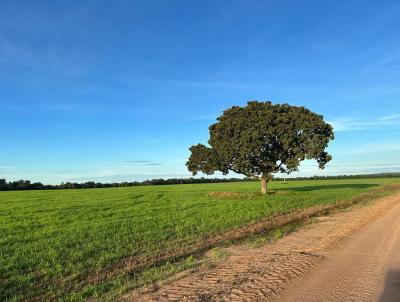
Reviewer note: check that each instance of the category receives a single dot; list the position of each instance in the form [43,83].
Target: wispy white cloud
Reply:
[7,169]
[390,117]
[144,162]
[57,106]
[204,117]
[138,161]
[387,63]
[127,177]
[155,140]
[23,50]
[356,124]
[310,168]
[374,148]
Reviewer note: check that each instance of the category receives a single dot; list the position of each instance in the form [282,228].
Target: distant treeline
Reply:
[27,185]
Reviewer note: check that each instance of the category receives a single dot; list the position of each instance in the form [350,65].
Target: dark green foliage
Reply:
[260,139]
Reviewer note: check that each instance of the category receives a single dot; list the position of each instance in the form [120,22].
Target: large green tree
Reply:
[261,139]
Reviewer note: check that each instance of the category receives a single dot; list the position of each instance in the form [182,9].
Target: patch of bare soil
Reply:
[348,256]
[225,194]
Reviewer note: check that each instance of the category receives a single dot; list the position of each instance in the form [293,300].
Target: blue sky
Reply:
[111,91]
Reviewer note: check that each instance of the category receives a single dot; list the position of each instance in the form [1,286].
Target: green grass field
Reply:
[56,245]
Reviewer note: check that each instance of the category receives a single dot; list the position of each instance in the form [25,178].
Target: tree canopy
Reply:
[262,138]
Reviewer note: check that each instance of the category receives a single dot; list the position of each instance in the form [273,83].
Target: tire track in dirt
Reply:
[265,273]
[357,271]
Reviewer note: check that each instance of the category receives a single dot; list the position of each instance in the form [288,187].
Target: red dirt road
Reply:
[365,268]
[352,255]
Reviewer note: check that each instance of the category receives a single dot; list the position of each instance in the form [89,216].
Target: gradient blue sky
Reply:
[118,90]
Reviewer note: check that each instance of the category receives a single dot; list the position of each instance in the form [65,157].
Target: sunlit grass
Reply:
[52,241]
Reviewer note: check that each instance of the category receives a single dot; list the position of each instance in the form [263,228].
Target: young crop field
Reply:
[74,244]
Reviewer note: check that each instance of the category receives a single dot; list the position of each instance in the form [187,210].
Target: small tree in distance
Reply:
[261,139]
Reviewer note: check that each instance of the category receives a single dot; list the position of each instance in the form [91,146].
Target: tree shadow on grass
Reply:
[327,187]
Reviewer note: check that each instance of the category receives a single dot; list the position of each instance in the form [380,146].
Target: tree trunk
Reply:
[263,185]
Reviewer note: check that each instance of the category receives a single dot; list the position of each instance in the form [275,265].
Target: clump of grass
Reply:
[277,234]
[217,254]
[259,240]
